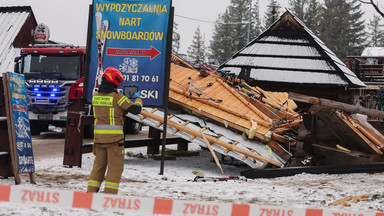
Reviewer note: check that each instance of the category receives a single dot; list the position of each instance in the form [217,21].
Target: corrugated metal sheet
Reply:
[11,21]
[222,134]
[302,76]
[289,63]
[284,49]
[290,55]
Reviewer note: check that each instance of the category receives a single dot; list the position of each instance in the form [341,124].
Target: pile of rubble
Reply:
[260,128]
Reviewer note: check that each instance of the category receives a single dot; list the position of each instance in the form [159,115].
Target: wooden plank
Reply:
[11,129]
[233,91]
[218,106]
[350,137]
[215,118]
[373,133]
[340,201]
[211,150]
[359,133]
[213,140]
[336,105]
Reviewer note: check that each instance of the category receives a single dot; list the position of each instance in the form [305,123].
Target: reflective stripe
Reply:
[94,116]
[138,102]
[102,101]
[121,101]
[94,183]
[108,127]
[112,185]
[112,116]
[108,132]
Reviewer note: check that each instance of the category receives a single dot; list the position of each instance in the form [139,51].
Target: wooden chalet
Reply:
[16,25]
[369,68]
[288,57]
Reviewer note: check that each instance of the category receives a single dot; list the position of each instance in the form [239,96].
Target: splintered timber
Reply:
[131,8]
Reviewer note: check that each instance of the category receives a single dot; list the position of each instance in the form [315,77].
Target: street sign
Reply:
[130,35]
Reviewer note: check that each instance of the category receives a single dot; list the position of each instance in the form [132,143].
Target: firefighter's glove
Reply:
[137,94]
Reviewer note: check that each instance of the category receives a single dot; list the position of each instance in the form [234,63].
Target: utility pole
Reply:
[249,20]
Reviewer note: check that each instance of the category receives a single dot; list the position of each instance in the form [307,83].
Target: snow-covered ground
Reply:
[141,178]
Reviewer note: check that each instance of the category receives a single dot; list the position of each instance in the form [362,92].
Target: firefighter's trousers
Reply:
[109,156]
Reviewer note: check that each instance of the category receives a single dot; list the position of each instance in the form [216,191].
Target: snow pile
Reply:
[141,178]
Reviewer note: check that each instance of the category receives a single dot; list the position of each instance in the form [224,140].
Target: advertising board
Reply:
[131,36]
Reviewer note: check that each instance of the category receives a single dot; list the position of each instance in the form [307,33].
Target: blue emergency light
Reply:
[53,95]
[35,89]
[55,89]
[38,95]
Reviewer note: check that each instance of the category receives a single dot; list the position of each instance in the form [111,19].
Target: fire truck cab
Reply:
[50,70]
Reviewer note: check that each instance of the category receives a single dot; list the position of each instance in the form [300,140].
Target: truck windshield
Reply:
[63,67]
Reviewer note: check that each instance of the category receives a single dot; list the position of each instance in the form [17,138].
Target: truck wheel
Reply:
[35,128]
[132,126]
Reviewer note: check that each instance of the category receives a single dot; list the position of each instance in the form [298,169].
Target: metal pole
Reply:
[167,69]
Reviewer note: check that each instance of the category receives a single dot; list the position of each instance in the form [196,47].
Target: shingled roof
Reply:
[289,52]
[16,24]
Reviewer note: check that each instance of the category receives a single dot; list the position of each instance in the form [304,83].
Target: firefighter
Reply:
[109,109]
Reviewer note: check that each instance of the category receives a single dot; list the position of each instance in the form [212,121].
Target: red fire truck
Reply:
[54,76]
[50,70]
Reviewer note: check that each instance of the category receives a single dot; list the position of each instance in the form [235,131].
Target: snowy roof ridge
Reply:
[279,47]
[12,20]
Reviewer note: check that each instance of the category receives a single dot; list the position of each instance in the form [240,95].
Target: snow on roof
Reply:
[373,51]
[290,52]
[11,21]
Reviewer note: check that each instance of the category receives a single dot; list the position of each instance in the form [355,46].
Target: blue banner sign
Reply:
[22,132]
[131,36]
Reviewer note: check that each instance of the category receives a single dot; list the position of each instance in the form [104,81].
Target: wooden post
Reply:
[155,134]
[336,105]
[5,155]
[74,134]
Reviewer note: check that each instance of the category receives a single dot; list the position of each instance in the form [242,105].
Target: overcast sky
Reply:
[67,19]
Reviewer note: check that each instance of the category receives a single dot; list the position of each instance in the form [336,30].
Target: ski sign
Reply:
[130,35]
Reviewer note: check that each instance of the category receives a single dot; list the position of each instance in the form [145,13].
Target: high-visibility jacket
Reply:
[109,110]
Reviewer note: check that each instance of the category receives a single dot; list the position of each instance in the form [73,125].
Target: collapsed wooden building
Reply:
[241,121]
[257,127]
[230,110]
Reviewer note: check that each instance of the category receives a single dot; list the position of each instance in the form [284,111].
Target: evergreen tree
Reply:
[197,50]
[376,32]
[342,28]
[175,39]
[312,16]
[231,29]
[308,11]
[357,36]
[220,45]
[239,11]
[298,8]
[256,26]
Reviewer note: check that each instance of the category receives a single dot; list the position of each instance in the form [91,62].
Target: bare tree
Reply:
[375,5]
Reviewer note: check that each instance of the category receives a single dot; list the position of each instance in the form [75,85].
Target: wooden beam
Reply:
[212,139]
[220,107]
[245,102]
[336,105]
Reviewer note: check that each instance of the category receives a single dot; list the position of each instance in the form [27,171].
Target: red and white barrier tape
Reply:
[104,202]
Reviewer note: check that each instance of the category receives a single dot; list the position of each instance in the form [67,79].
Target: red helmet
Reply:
[113,75]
